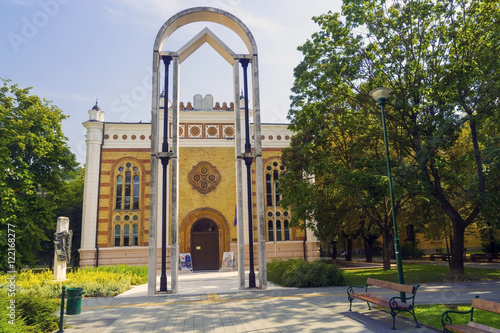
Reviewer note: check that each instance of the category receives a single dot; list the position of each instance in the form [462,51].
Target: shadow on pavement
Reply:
[379,320]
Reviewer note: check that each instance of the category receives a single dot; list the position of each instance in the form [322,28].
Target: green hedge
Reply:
[32,313]
[303,274]
[38,297]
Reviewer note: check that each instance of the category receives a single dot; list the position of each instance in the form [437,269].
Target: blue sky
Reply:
[73,52]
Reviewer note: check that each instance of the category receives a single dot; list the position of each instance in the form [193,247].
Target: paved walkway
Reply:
[211,302]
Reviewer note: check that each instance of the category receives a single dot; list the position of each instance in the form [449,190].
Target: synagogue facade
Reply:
[116,210]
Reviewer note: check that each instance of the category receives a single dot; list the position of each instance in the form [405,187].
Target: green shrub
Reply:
[39,312]
[136,274]
[19,322]
[276,268]
[487,247]
[303,274]
[410,250]
[38,297]
[98,282]
[33,314]
[110,288]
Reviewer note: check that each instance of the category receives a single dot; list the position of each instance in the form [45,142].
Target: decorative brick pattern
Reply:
[195,131]
[212,131]
[204,177]
[228,131]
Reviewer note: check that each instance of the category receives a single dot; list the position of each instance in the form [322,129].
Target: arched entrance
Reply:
[205,245]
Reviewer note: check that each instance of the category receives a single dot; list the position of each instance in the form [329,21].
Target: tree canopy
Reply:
[440,59]
[35,160]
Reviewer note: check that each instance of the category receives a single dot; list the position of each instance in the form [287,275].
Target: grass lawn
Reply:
[421,273]
[431,315]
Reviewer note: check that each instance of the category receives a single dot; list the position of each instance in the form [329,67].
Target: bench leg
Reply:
[416,322]
[369,307]
[349,298]
[393,314]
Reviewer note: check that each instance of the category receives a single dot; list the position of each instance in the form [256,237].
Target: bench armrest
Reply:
[350,289]
[394,300]
[446,319]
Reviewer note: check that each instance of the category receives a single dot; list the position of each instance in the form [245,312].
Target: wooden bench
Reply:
[443,257]
[471,327]
[488,256]
[395,304]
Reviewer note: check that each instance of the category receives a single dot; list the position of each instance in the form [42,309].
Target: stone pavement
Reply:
[211,302]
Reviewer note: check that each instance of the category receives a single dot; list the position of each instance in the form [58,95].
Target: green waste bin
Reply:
[74,303]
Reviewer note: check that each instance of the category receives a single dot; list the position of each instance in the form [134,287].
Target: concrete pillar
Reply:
[175,177]
[259,177]
[153,196]
[62,251]
[239,177]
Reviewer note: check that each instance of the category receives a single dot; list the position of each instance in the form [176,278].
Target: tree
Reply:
[34,159]
[337,142]
[69,203]
[440,58]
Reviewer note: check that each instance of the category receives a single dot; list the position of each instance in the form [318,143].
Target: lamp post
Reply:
[380,95]
[164,157]
[248,158]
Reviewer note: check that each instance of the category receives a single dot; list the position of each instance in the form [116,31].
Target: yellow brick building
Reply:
[117,190]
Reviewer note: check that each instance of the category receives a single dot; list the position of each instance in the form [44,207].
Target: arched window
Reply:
[128,186]
[278,230]
[269,191]
[275,181]
[286,230]
[135,235]
[126,230]
[135,199]
[118,235]
[270,230]
[126,234]
[119,188]
[275,213]
[126,215]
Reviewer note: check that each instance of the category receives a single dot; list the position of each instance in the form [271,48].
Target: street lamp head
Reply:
[380,93]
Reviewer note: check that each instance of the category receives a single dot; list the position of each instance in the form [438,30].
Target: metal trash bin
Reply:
[74,303]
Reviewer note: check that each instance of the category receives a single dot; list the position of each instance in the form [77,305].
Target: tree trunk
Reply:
[369,245]
[492,240]
[457,249]
[334,250]
[348,254]
[386,253]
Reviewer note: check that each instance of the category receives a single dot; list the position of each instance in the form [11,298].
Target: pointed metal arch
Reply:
[219,16]
[205,14]
[206,36]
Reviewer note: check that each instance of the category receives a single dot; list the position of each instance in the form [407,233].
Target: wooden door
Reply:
[205,245]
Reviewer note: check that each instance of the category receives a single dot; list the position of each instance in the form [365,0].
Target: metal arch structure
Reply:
[242,155]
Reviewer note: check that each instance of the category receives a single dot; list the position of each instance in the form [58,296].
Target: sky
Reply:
[76,52]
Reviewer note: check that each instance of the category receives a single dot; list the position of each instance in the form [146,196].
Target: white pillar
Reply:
[240,227]
[259,178]
[153,194]
[95,129]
